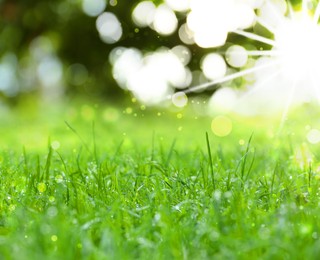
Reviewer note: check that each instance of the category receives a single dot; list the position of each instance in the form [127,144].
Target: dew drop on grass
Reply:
[12,207]
[55,145]
[313,136]
[54,238]
[217,195]
[59,178]
[52,212]
[42,187]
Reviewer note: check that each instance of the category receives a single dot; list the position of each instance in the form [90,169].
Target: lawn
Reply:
[95,181]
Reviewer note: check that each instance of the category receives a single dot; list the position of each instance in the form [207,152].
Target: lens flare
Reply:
[93,7]
[221,126]
[165,21]
[272,57]
[286,72]
[213,66]
[109,28]
[140,73]
[143,13]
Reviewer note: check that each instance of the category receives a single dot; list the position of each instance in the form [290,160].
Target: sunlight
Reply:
[292,60]
[298,43]
[140,73]
[272,56]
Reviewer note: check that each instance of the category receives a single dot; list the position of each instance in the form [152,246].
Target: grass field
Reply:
[98,182]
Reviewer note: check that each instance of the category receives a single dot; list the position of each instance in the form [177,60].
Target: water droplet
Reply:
[54,238]
[42,187]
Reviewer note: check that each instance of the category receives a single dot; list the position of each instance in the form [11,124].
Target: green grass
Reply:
[151,186]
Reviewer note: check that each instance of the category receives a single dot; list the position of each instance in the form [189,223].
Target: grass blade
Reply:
[210,160]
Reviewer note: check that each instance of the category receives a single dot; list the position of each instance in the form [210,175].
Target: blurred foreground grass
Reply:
[94,181]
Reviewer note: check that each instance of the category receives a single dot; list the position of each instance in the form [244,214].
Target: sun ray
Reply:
[316,15]
[287,106]
[265,24]
[277,15]
[230,77]
[271,53]
[256,53]
[255,37]
[304,7]
[315,87]
[259,86]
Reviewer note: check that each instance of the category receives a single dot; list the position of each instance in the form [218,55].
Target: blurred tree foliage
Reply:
[74,40]
[74,37]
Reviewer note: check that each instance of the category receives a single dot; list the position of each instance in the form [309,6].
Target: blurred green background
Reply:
[61,37]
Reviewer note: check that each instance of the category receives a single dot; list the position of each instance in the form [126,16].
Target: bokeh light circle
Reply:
[143,13]
[165,21]
[180,99]
[93,7]
[178,5]
[221,126]
[313,136]
[213,66]
[183,53]
[109,27]
[236,56]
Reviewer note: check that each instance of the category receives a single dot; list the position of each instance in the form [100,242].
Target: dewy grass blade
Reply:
[170,152]
[210,161]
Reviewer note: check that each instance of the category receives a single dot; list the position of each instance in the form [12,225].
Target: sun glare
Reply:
[297,42]
[285,74]
[274,52]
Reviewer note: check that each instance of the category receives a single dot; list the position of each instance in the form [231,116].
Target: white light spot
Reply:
[213,66]
[178,5]
[183,53]
[93,7]
[126,62]
[7,76]
[207,36]
[143,13]
[223,100]
[49,72]
[221,126]
[273,13]
[109,28]
[55,145]
[151,78]
[165,21]
[298,43]
[172,69]
[244,16]
[236,56]
[148,86]
[186,35]
[179,99]
[210,21]
[313,136]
